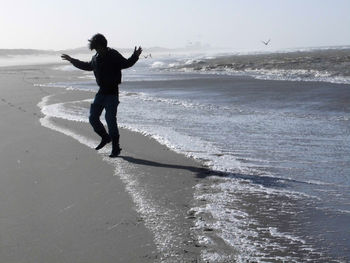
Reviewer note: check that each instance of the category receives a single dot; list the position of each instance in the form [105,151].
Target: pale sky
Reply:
[235,24]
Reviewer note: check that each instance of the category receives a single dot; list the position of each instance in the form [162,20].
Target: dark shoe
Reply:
[115,153]
[103,142]
[115,147]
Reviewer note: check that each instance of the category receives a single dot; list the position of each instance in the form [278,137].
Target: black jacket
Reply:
[107,69]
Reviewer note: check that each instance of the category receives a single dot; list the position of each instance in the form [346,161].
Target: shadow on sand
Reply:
[203,172]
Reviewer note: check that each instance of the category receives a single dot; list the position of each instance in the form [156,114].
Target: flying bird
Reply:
[266,42]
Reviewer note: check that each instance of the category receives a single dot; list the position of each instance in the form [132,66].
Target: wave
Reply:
[327,65]
[279,74]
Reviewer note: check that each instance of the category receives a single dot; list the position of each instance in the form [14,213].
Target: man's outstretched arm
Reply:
[77,63]
[127,63]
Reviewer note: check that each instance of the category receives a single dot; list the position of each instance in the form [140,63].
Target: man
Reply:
[106,64]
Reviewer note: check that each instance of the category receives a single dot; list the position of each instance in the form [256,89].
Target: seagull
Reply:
[148,56]
[266,42]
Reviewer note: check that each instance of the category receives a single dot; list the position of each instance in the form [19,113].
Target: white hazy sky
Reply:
[236,24]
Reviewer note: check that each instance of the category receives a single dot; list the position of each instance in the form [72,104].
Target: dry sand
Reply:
[60,201]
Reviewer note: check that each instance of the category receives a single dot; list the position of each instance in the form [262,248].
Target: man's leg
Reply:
[94,119]
[111,106]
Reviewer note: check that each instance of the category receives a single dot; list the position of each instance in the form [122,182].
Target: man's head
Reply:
[98,41]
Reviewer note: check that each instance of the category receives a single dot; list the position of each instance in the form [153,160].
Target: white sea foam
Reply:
[296,75]
[70,86]
[158,64]
[344,211]
[66,68]
[63,111]
[274,74]
[275,233]
[48,123]
[238,228]
[187,104]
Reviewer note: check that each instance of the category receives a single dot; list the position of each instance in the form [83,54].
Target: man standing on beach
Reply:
[106,64]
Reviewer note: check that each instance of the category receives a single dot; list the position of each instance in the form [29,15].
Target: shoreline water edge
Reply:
[261,163]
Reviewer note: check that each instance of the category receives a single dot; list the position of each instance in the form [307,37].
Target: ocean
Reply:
[274,130]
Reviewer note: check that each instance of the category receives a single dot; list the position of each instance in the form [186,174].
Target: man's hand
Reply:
[137,51]
[66,57]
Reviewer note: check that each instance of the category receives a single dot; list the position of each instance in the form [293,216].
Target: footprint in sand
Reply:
[21,109]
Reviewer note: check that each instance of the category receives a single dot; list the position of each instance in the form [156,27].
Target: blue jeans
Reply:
[110,104]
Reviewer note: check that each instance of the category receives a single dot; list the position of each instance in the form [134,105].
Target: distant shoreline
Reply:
[85,50]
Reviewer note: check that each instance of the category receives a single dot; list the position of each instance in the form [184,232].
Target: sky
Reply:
[233,24]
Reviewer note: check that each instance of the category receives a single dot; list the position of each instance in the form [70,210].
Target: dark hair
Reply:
[98,40]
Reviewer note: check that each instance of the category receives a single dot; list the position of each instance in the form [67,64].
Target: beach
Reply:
[217,165]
